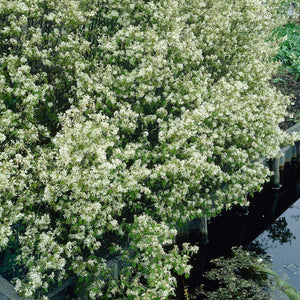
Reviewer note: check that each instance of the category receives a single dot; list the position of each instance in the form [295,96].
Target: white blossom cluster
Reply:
[118,117]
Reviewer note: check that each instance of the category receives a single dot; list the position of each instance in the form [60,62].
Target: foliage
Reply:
[289,8]
[289,51]
[238,278]
[244,276]
[148,265]
[281,284]
[115,113]
[8,265]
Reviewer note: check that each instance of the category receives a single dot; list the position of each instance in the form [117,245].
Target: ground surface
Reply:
[289,86]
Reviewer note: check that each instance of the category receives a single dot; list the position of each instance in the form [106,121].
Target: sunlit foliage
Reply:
[121,119]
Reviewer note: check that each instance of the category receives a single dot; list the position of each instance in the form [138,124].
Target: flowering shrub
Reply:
[119,117]
[289,8]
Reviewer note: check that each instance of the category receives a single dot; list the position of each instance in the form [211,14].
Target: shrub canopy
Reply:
[124,118]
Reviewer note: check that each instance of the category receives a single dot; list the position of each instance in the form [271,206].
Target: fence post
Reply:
[288,156]
[276,176]
[273,204]
[203,229]
[297,152]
